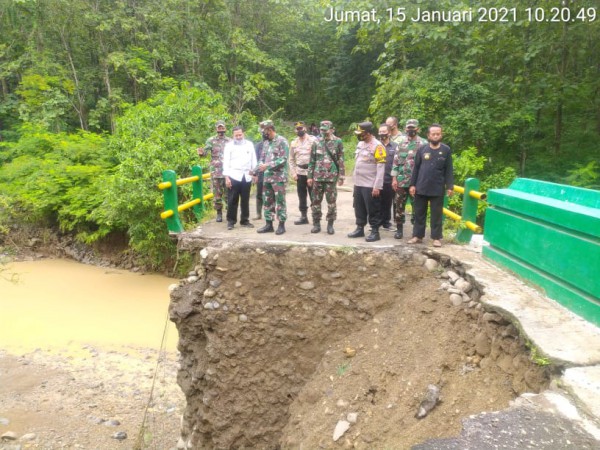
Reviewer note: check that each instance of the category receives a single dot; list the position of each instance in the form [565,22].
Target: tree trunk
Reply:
[111,113]
[558,125]
[80,107]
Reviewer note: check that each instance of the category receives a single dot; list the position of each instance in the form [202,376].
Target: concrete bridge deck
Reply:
[570,343]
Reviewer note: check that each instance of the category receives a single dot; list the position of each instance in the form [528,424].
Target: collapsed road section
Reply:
[285,346]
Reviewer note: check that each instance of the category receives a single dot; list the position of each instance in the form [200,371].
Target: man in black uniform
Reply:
[387,194]
[432,177]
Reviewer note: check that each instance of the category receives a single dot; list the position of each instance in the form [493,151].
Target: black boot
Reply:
[398,234]
[330,229]
[219,216]
[268,228]
[359,232]
[303,220]
[373,236]
[316,226]
[280,228]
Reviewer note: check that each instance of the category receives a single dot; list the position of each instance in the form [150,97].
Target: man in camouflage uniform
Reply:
[215,146]
[404,162]
[325,169]
[273,165]
[300,149]
[258,149]
[396,134]
[369,169]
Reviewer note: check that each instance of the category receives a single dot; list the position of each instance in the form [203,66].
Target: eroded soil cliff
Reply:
[280,343]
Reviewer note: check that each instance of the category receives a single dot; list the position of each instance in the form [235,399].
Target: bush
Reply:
[49,177]
[159,134]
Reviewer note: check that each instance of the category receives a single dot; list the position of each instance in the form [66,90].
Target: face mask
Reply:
[265,136]
[221,133]
[360,137]
[300,132]
[384,137]
[412,133]
[238,141]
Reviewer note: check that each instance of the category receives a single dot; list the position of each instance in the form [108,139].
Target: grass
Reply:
[536,356]
[342,368]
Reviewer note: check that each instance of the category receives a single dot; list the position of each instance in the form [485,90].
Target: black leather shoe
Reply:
[330,229]
[280,228]
[316,227]
[359,232]
[268,228]
[246,225]
[230,225]
[374,236]
[302,221]
[398,234]
[219,216]
[387,226]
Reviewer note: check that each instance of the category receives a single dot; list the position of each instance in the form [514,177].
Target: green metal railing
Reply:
[549,234]
[469,210]
[172,208]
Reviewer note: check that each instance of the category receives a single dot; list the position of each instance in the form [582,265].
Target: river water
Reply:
[59,305]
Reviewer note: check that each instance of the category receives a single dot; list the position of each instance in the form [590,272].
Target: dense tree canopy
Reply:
[92,89]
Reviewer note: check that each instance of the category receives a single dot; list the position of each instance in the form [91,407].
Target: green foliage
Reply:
[467,164]
[159,134]
[4,216]
[49,177]
[586,176]
[44,100]
[342,369]
[499,180]
[536,356]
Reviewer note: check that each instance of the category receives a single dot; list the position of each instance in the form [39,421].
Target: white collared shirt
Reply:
[239,160]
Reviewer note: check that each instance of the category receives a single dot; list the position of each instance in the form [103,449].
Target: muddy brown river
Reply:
[60,304]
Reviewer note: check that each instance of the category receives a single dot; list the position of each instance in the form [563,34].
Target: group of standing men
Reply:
[389,166]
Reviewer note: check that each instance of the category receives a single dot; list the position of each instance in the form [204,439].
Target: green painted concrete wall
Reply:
[549,234]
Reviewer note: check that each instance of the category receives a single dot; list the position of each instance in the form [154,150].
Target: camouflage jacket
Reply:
[215,146]
[404,160]
[327,160]
[275,156]
[398,138]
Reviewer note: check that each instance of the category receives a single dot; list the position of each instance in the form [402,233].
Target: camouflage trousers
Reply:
[219,190]
[329,190]
[400,200]
[274,201]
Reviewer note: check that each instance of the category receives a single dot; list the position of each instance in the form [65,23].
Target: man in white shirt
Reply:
[239,159]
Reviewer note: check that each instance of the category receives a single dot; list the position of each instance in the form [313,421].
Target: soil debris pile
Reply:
[321,347]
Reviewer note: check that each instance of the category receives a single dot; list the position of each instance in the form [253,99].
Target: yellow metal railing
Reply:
[172,209]
[471,196]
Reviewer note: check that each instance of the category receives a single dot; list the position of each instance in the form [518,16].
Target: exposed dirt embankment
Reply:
[280,344]
[31,243]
